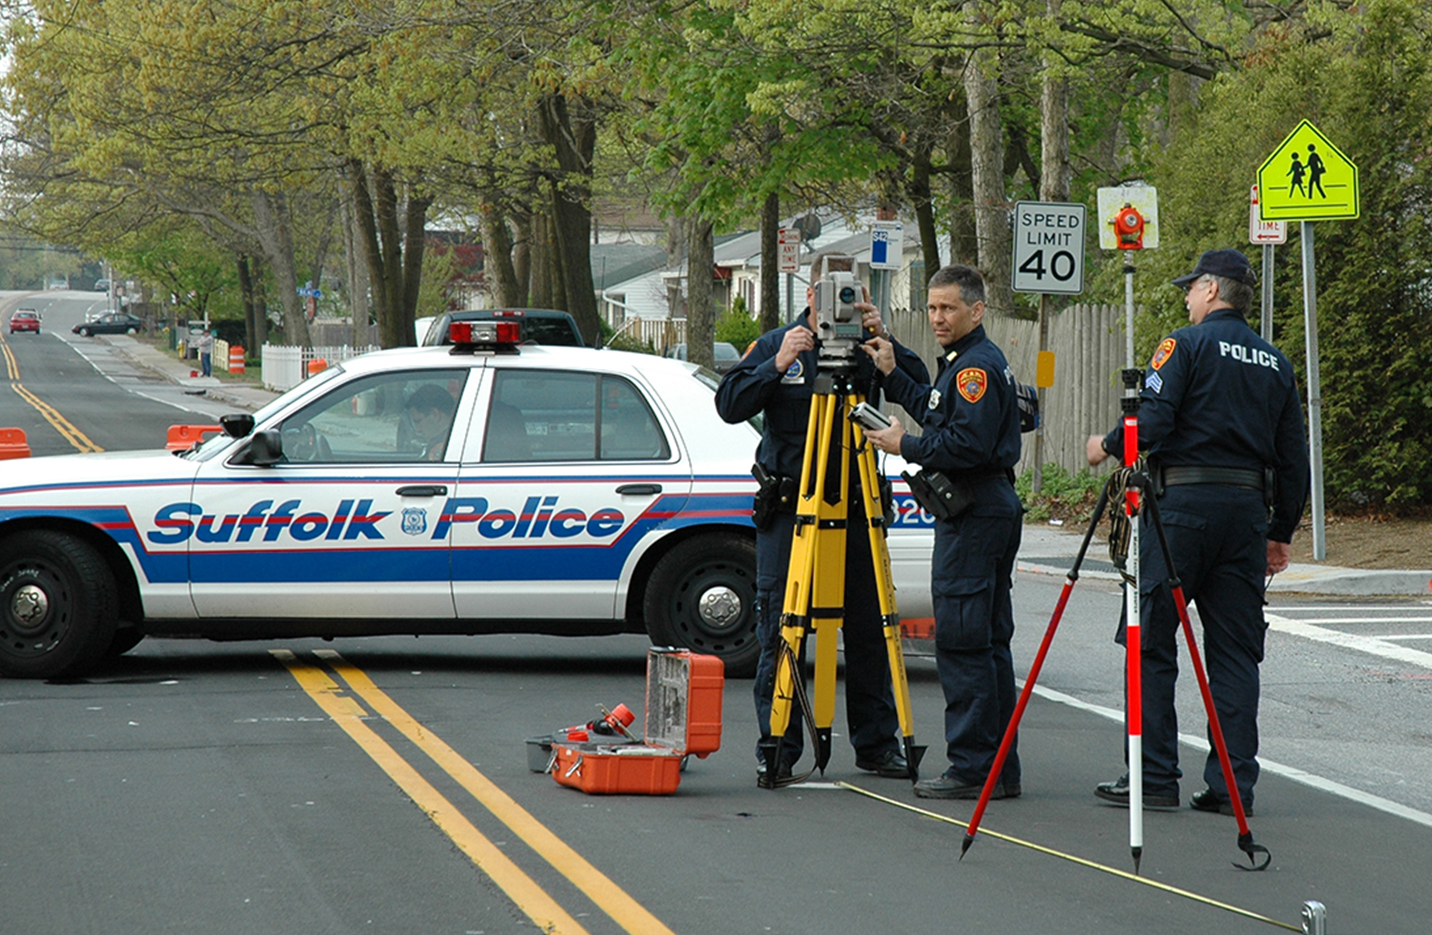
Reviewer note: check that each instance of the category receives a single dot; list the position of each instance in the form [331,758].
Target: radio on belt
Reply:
[683,717]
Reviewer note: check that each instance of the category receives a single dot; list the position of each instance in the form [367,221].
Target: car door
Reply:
[348,524]
[565,472]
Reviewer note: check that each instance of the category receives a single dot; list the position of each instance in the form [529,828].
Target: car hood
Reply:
[49,478]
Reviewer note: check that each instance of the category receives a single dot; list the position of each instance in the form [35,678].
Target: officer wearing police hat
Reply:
[1222,426]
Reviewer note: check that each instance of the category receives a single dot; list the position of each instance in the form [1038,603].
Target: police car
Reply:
[480,488]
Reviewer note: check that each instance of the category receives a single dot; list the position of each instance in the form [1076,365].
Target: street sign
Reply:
[1307,178]
[886,244]
[1112,200]
[1260,231]
[1048,247]
[788,249]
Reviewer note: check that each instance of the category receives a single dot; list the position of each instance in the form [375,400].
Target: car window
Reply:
[546,415]
[386,417]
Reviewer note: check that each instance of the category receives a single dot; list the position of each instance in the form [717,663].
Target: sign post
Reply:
[1267,233]
[887,250]
[1309,179]
[788,252]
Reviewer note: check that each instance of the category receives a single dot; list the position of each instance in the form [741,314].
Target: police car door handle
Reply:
[639,490]
[423,490]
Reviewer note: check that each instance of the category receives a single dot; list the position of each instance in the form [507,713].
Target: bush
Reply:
[1065,496]
[737,327]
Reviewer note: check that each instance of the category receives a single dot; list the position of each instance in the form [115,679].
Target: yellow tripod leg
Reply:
[795,611]
[885,587]
[827,607]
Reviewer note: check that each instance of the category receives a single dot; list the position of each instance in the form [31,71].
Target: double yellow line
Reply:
[343,705]
[74,436]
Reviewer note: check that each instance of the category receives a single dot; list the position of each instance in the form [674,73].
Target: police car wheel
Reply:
[702,595]
[125,639]
[57,606]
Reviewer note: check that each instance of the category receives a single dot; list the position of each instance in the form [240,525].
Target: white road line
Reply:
[1403,636]
[1366,644]
[1287,772]
[1347,620]
[1300,608]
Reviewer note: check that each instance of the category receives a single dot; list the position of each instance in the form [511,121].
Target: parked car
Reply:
[101,285]
[25,319]
[113,323]
[726,355]
[539,325]
[532,489]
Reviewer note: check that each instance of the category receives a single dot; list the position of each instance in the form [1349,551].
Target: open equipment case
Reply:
[683,717]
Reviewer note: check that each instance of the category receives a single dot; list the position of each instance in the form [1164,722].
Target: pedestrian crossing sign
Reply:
[1307,178]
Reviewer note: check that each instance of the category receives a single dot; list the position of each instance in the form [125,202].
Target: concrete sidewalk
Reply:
[1046,550]
[1050,550]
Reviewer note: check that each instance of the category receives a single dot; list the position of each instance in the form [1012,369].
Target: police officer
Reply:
[776,378]
[972,438]
[1222,426]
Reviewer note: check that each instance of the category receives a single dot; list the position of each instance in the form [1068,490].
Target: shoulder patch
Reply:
[972,382]
[1164,352]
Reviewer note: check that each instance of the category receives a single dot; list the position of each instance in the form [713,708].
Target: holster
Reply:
[940,495]
[774,494]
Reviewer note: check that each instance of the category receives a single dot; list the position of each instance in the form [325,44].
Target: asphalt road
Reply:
[382,785]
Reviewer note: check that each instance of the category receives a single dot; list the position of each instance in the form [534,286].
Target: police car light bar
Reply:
[489,333]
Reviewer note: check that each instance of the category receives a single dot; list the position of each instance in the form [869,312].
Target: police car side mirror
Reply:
[237,424]
[265,449]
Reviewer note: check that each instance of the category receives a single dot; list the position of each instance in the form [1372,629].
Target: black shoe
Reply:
[951,787]
[889,764]
[783,773]
[1208,801]
[1117,793]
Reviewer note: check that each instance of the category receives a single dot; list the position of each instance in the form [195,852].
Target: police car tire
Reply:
[77,625]
[125,639]
[673,593]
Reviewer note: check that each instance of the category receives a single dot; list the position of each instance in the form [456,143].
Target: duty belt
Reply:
[1175,475]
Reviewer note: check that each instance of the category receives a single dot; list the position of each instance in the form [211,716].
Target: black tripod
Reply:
[815,583]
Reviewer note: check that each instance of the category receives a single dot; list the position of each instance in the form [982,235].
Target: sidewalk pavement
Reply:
[1050,550]
[1045,550]
[241,395]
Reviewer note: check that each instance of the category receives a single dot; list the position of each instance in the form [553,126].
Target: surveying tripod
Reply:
[815,582]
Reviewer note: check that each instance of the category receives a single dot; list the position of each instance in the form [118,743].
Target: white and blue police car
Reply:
[487,487]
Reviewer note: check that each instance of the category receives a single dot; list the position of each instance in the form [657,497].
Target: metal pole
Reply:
[1037,481]
[790,299]
[1133,649]
[1268,292]
[1315,395]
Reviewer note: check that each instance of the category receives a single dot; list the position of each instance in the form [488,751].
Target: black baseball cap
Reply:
[1230,264]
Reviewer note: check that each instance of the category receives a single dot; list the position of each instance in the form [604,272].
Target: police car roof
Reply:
[541,355]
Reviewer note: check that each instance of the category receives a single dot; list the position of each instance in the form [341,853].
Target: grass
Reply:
[1063,496]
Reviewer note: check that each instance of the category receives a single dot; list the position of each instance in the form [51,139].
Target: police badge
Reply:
[415,521]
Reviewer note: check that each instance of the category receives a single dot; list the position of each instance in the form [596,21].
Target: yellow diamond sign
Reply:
[1307,179]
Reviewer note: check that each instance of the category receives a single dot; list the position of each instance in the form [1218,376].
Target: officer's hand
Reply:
[796,341]
[882,352]
[1278,555]
[870,318]
[1094,449]
[887,440]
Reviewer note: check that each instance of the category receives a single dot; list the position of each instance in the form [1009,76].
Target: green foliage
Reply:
[737,327]
[1063,496]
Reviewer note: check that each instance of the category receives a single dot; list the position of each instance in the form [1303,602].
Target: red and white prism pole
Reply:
[1132,645]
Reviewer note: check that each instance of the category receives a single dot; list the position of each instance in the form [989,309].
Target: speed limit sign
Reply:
[1048,247]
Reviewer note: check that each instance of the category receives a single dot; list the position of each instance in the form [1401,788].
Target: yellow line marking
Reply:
[613,900]
[528,896]
[74,436]
[1123,874]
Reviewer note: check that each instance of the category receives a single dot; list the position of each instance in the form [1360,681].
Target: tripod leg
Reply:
[885,588]
[1013,728]
[1245,837]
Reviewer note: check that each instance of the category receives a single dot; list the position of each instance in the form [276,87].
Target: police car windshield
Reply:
[218,442]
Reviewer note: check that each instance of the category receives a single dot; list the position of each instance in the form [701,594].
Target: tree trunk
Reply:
[540,277]
[392,249]
[522,258]
[356,269]
[1053,186]
[569,126]
[920,194]
[246,299]
[987,178]
[501,275]
[701,315]
[276,237]
[261,331]
[964,243]
[770,263]
[677,247]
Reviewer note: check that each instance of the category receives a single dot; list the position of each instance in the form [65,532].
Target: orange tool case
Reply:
[683,717]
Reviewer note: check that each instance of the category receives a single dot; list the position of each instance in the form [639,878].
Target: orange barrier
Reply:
[236,359]
[317,365]
[184,437]
[13,444]
[918,628]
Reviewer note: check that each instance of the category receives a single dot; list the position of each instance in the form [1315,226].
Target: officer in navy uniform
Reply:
[972,436]
[776,377]
[1220,420]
